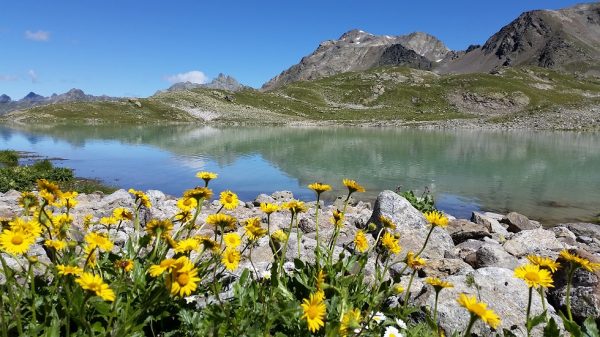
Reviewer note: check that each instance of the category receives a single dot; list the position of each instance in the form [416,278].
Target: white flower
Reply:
[266,275]
[390,331]
[400,323]
[379,317]
[191,299]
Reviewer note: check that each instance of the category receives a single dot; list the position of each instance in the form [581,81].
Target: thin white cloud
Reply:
[194,76]
[32,75]
[40,35]
[8,78]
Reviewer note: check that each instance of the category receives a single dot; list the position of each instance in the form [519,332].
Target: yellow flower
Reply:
[279,236]
[209,243]
[387,222]
[415,262]
[206,176]
[390,243]
[223,221]
[436,219]
[533,276]
[165,265]
[320,279]
[187,204]
[198,193]
[48,191]
[95,284]
[68,199]
[438,284]
[68,270]
[187,245]
[268,208]
[183,281]
[360,241]
[231,259]
[31,227]
[579,261]
[126,265]
[91,255]
[28,201]
[479,309]
[295,206]
[122,214]
[253,229]
[87,221]
[159,227]
[98,240]
[141,197]
[56,244]
[232,240]
[337,218]
[314,310]
[15,242]
[108,220]
[398,288]
[319,188]
[350,321]
[352,186]
[229,200]
[544,262]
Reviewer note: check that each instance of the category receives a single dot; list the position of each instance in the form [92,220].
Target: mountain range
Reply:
[543,61]
[32,99]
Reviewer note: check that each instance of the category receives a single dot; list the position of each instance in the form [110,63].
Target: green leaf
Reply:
[298,264]
[590,327]
[508,333]
[571,326]
[535,321]
[551,329]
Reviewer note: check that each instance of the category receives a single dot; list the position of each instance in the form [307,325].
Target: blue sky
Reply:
[133,48]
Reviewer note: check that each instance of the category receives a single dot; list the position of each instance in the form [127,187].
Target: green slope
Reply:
[390,93]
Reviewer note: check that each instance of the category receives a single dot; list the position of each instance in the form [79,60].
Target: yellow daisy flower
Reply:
[95,284]
[68,270]
[55,244]
[187,245]
[360,241]
[165,265]
[97,240]
[390,243]
[159,227]
[268,208]
[232,240]
[229,200]
[544,262]
[337,218]
[279,236]
[28,201]
[314,310]
[141,197]
[231,259]
[319,188]
[295,206]
[415,262]
[579,261]
[533,276]
[126,265]
[187,204]
[15,242]
[479,309]
[206,176]
[254,230]
[122,214]
[387,222]
[438,284]
[183,281]
[352,186]
[68,199]
[198,193]
[436,219]
[223,221]
[31,227]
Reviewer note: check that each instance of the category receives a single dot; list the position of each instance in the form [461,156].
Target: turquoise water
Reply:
[551,176]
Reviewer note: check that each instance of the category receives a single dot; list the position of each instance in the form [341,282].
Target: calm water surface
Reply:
[551,176]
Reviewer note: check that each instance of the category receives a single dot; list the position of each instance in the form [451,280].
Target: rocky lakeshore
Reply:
[477,255]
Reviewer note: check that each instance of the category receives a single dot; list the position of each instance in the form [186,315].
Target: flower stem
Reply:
[437,293]
[406,297]
[569,282]
[528,312]
[426,241]
[471,323]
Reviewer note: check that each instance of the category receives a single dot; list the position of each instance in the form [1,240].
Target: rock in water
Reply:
[518,222]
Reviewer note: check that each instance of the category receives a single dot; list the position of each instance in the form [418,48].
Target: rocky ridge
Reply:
[221,82]
[477,255]
[32,100]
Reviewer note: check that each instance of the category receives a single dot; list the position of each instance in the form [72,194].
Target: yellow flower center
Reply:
[312,312]
[230,258]
[183,279]
[17,239]
[531,276]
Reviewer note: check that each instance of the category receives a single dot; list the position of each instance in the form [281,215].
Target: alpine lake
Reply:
[552,177]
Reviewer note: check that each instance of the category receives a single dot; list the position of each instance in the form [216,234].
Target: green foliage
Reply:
[424,203]
[23,178]
[9,158]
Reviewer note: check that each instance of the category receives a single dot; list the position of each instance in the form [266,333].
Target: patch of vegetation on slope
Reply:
[388,93]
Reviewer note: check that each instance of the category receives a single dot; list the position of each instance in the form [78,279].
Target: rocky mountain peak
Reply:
[33,97]
[221,82]
[4,98]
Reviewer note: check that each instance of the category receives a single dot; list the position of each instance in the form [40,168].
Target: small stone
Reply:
[518,222]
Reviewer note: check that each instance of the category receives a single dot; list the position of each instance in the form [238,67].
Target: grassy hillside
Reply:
[375,95]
